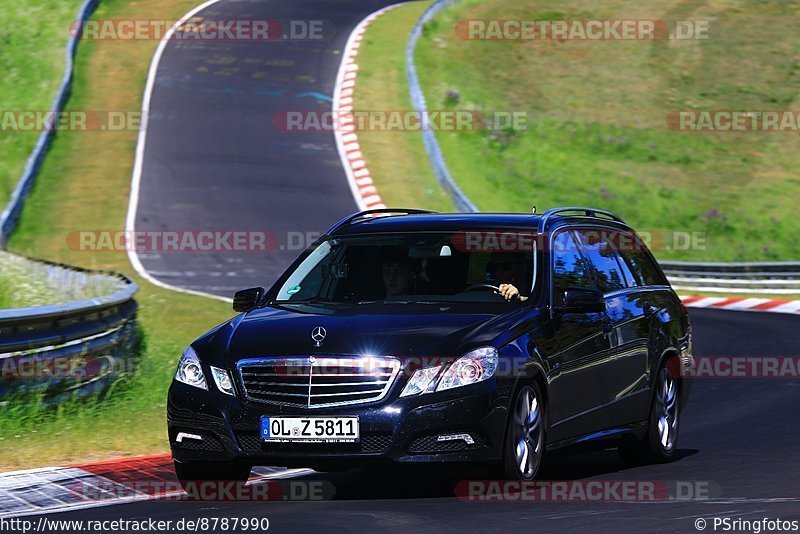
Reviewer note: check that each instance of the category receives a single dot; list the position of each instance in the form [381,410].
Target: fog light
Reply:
[466,438]
[185,435]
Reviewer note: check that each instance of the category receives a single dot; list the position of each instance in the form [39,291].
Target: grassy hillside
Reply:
[599,133]
[32,41]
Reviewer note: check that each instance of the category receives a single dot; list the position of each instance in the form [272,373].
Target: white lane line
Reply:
[136,179]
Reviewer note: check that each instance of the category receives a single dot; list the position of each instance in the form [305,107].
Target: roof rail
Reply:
[350,219]
[588,212]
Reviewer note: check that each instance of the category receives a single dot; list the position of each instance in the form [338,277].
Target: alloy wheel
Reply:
[527,433]
[667,410]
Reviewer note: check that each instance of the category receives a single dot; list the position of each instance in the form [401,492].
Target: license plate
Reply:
[310,429]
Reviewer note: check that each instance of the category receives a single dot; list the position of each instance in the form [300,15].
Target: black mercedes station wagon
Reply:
[410,336]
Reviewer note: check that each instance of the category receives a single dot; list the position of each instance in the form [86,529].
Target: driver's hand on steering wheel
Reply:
[510,292]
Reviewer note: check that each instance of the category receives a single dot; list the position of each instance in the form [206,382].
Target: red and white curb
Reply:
[92,485]
[358,176]
[743,304]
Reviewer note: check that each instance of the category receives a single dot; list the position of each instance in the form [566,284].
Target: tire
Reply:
[191,473]
[523,448]
[661,440]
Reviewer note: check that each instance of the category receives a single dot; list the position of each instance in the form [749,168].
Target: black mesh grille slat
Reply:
[208,443]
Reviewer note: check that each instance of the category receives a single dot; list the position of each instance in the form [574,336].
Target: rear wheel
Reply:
[190,474]
[662,435]
[524,443]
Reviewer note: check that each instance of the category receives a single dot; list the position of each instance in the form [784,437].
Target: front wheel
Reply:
[662,435]
[189,474]
[524,444]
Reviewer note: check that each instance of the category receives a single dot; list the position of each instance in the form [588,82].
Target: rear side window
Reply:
[599,248]
[569,268]
[642,265]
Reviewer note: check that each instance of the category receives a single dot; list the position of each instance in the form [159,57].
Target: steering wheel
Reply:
[481,287]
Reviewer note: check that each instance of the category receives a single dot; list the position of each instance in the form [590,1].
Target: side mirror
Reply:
[247,299]
[581,300]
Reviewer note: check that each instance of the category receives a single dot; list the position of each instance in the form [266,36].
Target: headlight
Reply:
[189,370]
[223,380]
[423,381]
[475,366]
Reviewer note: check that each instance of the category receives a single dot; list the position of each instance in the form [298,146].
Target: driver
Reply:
[510,270]
[399,275]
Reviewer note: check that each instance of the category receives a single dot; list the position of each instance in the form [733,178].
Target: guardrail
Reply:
[435,155]
[76,348]
[10,215]
[763,277]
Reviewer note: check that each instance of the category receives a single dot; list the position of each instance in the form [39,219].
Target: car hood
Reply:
[406,330]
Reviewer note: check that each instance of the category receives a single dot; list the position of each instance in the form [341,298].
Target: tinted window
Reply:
[630,279]
[599,248]
[640,262]
[623,243]
[412,267]
[569,269]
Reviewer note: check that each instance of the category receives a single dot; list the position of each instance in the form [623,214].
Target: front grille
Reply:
[369,443]
[317,382]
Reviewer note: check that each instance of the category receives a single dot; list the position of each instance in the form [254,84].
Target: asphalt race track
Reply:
[214,160]
[738,439]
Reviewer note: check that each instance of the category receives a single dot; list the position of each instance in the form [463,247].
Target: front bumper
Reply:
[394,429]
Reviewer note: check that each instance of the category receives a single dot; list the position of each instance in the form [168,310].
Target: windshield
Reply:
[416,267]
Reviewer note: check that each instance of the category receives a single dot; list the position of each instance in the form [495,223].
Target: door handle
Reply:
[649,310]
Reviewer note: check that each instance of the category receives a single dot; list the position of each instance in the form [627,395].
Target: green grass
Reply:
[84,184]
[598,134]
[396,159]
[24,283]
[33,37]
